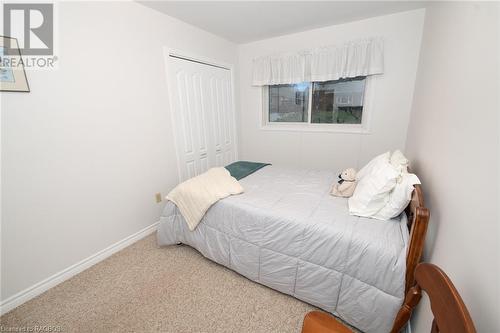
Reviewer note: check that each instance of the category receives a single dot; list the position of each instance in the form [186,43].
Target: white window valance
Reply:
[354,58]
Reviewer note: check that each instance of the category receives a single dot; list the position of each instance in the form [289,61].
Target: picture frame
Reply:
[12,74]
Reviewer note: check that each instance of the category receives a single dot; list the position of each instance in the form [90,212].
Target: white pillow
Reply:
[374,187]
[399,161]
[367,169]
[399,198]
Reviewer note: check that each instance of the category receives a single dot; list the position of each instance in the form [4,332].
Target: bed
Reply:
[286,232]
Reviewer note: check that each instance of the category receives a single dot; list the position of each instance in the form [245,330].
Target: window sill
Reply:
[330,128]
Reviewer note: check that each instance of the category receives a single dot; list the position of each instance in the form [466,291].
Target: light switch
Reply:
[158,197]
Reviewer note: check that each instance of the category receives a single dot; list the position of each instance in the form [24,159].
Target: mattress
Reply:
[287,232]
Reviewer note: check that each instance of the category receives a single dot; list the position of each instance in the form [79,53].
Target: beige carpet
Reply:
[144,288]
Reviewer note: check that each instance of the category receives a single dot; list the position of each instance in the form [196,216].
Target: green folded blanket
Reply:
[241,169]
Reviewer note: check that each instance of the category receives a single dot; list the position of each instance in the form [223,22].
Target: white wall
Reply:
[392,101]
[453,143]
[85,152]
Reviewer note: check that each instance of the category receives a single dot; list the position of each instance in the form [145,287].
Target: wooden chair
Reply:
[450,313]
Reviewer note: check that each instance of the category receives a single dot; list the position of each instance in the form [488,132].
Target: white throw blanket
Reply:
[196,195]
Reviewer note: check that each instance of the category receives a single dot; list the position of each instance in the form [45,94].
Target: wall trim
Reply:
[50,282]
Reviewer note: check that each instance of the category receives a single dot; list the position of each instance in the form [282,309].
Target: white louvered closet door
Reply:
[203,115]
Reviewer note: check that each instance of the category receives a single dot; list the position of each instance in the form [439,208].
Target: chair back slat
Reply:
[450,313]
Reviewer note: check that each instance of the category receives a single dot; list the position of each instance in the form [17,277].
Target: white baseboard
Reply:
[42,286]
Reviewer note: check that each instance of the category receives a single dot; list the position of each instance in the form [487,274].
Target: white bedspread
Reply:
[288,233]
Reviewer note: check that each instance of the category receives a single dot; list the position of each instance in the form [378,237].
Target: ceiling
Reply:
[246,21]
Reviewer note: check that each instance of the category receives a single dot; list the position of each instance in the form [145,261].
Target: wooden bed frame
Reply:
[418,219]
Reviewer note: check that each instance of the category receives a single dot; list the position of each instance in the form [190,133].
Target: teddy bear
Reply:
[346,185]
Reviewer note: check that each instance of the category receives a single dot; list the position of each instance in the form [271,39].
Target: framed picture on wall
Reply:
[12,74]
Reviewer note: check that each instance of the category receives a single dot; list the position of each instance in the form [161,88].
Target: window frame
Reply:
[363,128]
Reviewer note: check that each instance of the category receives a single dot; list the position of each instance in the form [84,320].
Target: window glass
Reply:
[289,102]
[338,102]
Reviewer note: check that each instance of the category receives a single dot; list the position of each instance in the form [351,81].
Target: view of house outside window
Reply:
[332,102]
[289,102]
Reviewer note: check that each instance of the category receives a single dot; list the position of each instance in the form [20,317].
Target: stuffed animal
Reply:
[346,185]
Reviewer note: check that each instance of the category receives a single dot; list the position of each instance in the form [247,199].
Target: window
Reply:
[289,102]
[330,102]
